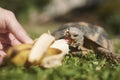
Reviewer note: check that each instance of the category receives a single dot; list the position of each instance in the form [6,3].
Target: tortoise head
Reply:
[74,36]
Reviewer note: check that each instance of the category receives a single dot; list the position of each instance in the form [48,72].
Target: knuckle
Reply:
[10,13]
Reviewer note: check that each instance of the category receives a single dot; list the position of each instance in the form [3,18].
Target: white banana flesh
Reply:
[40,47]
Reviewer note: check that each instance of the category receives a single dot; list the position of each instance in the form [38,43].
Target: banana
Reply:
[23,47]
[55,54]
[21,58]
[12,51]
[62,45]
[39,48]
[45,51]
[18,54]
[52,51]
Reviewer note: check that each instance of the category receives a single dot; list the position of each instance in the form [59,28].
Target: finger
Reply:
[2,53]
[1,46]
[13,40]
[2,56]
[8,38]
[14,27]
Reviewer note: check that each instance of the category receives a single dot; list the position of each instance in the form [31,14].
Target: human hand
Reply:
[11,32]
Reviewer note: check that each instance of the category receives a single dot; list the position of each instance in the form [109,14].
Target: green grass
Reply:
[74,68]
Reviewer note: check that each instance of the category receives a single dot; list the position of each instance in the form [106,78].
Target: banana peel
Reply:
[46,52]
[18,54]
[21,59]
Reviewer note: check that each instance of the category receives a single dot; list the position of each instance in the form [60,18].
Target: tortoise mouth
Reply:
[69,40]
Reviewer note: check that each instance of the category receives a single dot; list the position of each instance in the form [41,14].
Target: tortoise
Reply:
[82,36]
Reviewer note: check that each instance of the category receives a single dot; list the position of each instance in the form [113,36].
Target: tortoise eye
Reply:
[75,35]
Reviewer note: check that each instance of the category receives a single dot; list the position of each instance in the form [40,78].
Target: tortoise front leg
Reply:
[105,53]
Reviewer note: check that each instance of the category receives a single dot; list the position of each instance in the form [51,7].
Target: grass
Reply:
[74,68]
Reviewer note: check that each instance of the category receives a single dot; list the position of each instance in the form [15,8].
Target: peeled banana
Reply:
[40,47]
[45,51]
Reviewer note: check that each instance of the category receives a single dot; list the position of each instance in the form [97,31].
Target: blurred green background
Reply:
[105,13]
